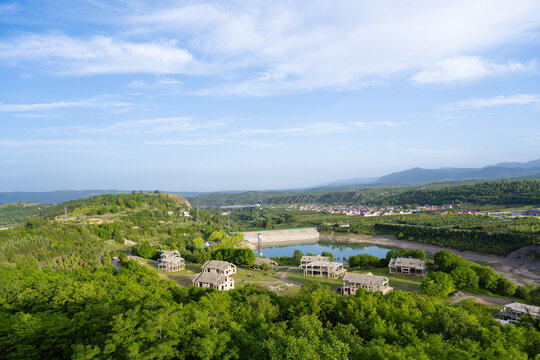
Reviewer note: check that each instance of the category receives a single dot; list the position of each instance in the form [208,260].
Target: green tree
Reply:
[464,276]
[437,283]
[145,250]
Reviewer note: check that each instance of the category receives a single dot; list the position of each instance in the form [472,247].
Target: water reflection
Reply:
[339,250]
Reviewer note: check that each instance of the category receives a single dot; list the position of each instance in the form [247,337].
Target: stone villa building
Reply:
[216,274]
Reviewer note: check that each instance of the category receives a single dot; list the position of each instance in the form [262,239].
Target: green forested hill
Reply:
[95,225]
[13,214]
[517,192]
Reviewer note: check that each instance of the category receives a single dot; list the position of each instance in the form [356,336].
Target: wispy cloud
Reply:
[99,101]
[215,140]
[465,68]
[7,8]
[98,55]
[322,128]
[146,126]
[501,100]
[158,83]
[65,143]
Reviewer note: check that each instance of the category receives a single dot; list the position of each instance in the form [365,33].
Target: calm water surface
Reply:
[339,250]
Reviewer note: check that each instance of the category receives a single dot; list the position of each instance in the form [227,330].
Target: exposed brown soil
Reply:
[483,299]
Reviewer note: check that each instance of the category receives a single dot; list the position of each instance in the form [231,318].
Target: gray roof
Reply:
[311,258]
[217,264]
[406,262]
[169,254]
[365,279]
[524,308]
[212,278]
[259,261]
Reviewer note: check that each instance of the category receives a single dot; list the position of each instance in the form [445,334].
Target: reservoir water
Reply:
[339,250]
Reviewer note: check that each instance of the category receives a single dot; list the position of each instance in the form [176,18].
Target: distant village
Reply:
[363,210]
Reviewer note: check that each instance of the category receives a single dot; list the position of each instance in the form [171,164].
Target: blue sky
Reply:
[206,96]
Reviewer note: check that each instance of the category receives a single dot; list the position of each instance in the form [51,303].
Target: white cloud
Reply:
[158,83]
[272,47]
[322,128]
[98,101]
[214,140]
[147,126]
[98,55]
[465,68]
[519,99]
[347,45]
[45,143]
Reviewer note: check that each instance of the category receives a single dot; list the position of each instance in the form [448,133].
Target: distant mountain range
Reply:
[411,177]
[498,171]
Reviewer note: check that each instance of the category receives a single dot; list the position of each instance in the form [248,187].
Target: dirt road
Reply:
[521,266]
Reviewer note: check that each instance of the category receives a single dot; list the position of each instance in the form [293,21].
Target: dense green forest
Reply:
[13,214]
[517,192]
[60,296]
[132,314]
[101,224]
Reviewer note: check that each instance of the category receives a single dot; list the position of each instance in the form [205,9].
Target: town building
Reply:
[216,274]
[259,261]
[512,313]
[407,266]
[369,282]
[533,212]
[327,269]
[171,261]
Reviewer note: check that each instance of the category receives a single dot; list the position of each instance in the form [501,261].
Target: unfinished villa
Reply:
[260,261]
[321,266]
[512,313]
[216,274]
[306,259]
[171,261]
[369,282]
[407,266]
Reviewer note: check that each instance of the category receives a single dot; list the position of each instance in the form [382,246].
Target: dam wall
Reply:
[271,237]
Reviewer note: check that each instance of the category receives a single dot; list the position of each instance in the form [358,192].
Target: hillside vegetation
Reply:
[94,226]
[13,214]
[61,297]
[517,192]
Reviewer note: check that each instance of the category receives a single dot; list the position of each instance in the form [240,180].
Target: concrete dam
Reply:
[274,237]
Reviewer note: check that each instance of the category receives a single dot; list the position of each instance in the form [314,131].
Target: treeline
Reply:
[487,242]
[370,261]
[244,257]
[463,232]
[506,192]
[132,314]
